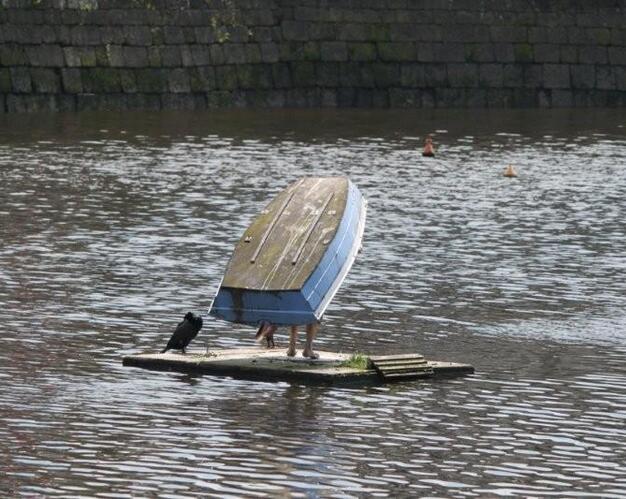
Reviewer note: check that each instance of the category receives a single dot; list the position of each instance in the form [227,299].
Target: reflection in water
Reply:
[112,229]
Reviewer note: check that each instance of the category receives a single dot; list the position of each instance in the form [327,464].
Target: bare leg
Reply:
[311,331]
[293,338]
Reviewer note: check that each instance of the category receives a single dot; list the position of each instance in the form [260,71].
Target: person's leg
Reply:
[293,338]
[311,331]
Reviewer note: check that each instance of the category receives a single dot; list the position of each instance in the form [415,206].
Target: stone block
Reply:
[253,53]
[322,31]
[617,56]
[72,82]
[173,35]
[109,35]
[450,97]
[346,97]
[352,32]
[6,85]
[226,77]
[386,74]
[46,55]
[515,34]
[45,80]
[524,98]
[476,97]
[79,56]
[605,78]
[329,97]
[303,73]
[404,32]
[544,34]
[20,79]
[190,35]
[362,52]
[295,30]
[101,80]
[151,80]
[154,57]
[30,103]
[186,102]
[593,54]
[85,35]
[503,52]
[544,52]
[429,99]
[446,52]
[234,53]
[128,81]
[490,75]
[200,55]
[568,54]
[583,75]
[217,54]
[269,52]
[185,56]
[256,76]
[600,36]
[523,52]
[412,75]
[533,75]
[12,55]
[327,74]
[205,35]
[281,75]
[135,57]
[202,79]
[178,81]
[463,75]
[349,74]
[556,76]
[147,102]
[499,98]
[137,35]
[435,75]
[219,99]
[479,52]
[469,34]
[392,52]
[404,98]
[562,98]
[620,78]
[170,56]
[334,51]
[512,75]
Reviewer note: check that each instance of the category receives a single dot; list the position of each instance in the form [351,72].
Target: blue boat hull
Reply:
[307,304]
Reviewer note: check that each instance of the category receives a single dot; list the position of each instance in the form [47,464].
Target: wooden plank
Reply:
[382,358]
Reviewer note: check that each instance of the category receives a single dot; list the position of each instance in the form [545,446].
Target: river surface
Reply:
[113,226]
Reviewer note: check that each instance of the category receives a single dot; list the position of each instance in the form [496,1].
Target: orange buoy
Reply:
[509,171]
[429,149]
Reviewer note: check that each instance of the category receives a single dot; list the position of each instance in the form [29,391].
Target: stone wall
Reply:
[195,54]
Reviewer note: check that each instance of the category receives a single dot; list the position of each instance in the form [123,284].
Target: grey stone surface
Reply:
[366,53]
[556,76]
[45,80]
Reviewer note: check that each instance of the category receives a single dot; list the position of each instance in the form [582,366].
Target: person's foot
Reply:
[291,352]
[310,354]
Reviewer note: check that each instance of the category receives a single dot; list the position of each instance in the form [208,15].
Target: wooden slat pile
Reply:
[400,367]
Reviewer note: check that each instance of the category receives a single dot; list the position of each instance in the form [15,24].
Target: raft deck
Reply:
[274,365]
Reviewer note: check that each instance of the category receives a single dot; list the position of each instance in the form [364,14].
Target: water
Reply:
[112,227]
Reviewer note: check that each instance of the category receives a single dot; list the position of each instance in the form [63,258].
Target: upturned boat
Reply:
[290,262]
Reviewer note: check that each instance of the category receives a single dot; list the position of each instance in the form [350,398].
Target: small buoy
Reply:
[509,171]
[429,149]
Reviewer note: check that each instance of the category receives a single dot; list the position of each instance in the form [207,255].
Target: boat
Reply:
[290,262]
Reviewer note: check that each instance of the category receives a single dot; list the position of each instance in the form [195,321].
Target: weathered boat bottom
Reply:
[274,365]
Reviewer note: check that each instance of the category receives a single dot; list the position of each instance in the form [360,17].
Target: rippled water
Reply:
[113,227]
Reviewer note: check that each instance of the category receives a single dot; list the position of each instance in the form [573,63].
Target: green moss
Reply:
[5,80]
[362,52]
[358,361]
[311,51]
[523,52]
